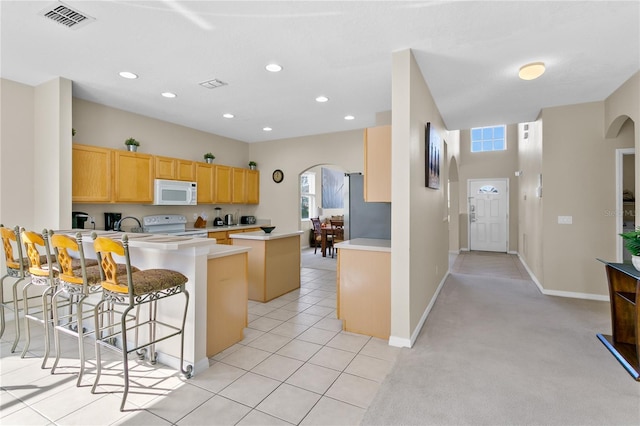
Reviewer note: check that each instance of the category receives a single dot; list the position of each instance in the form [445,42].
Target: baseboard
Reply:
[570,294]
[464,249]
[454,251]
[402,342]
[174,362]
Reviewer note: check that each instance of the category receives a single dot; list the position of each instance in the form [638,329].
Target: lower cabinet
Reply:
[227,292]
[222,237]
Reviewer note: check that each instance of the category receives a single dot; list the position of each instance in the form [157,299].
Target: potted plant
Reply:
[209,157]
[632,243]
[132,144]
[253,165]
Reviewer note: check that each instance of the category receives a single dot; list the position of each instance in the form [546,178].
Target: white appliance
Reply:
[170,224]
[174,193]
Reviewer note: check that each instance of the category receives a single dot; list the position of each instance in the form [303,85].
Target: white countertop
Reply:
[222,250]
[154,241]
[368,244]
[261,235]
[225,228]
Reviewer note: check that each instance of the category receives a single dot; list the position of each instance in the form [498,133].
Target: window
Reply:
[307,195]
[485,139]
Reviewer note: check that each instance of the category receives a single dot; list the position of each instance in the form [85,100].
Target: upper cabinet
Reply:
[103,175]
[133,177]
[205,178]
[174,168]
[377,164]
[91,178]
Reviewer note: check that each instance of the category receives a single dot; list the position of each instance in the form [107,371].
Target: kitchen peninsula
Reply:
[198,259]
[274,262]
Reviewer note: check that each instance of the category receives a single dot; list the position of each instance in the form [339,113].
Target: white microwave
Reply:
[174,193]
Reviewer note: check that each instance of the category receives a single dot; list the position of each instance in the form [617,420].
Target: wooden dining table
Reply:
[326,230]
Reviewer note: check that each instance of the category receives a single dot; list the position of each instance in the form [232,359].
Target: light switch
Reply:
[565,220]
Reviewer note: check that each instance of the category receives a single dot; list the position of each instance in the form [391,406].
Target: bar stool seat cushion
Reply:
[147,281]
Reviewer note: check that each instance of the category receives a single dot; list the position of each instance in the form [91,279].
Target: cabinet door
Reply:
[220,236]
[133,177]
[185,170]
[91,174]
[377,164]
[239,194]
[205,181]
[223,181]
[253,186]
[165,167]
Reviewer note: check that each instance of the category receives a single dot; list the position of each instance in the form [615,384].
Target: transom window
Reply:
[485,139]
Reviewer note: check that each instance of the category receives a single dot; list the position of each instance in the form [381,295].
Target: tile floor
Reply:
[294,366]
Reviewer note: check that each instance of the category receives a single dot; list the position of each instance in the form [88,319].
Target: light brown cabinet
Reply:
[222,237]
[133,177]
[223,181]
[174,168]
[239,186]
[91,174]
[377,164]
[227,292]
[205,178]
[253,187]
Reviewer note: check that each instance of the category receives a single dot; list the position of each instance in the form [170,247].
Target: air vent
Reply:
[212,84]
[65,15]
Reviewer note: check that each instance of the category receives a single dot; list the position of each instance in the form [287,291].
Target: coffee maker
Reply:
[110,220]
[78,219]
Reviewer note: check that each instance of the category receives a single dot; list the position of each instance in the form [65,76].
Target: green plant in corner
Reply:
[132,141]
[209,155]
[253,164]
[73,131]
[632,241]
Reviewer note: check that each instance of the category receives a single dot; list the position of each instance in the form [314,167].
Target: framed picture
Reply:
[432,158]
[332,183]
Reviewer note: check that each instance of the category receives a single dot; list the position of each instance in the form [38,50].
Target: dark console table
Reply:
[624,342]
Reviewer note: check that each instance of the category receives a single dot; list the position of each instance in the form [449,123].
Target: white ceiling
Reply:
[468,52]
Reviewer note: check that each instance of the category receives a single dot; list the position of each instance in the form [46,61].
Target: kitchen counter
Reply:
[211,228]
[191,257]
[263,236]
[274,262]
[367,244]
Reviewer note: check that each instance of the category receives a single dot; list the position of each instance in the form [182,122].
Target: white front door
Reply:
[488,212]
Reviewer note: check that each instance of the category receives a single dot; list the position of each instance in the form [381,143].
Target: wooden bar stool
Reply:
[132,290]
[79,279]
[43,276]
[17,268]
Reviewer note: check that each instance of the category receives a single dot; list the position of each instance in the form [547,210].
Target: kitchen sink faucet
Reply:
[116,226]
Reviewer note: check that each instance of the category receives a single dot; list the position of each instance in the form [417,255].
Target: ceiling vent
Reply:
[65,15]
[212,84]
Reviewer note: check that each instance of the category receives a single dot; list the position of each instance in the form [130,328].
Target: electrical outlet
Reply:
[565,220]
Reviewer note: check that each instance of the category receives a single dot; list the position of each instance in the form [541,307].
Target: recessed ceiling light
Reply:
[349,117]
[169,95]
[322,99]
[129,75]
[531,71]
[274,68]
[267,129]
[227,115]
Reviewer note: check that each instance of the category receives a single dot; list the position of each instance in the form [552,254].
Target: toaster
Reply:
[247,220]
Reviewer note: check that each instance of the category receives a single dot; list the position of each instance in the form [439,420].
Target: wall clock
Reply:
[278,176]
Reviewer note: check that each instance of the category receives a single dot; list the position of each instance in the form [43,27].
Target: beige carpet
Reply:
[494,351]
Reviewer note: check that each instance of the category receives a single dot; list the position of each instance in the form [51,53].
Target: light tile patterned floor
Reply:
[294,366]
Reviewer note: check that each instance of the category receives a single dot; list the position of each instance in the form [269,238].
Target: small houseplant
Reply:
[132,144]
[253,165]
[632,243]
[209,157]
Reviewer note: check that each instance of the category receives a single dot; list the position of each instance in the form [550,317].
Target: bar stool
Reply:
[76,285]
[132,290]
[16,268]
[45,277]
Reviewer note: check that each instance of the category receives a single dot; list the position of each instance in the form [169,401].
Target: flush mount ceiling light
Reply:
[531,71]
[267,129]
[228,115]
[349,117]
[322,99]
[129,75]
[273,68]
[169,95]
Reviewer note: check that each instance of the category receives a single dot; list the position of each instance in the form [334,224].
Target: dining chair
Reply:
[317,230]
[17,267]
[129,291]
[337,233]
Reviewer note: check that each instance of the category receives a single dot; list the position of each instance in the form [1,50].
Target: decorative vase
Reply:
[252,167]
[209,160]
[132,148]
[636,261]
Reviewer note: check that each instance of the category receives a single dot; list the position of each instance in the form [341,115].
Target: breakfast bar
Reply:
[274,262]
